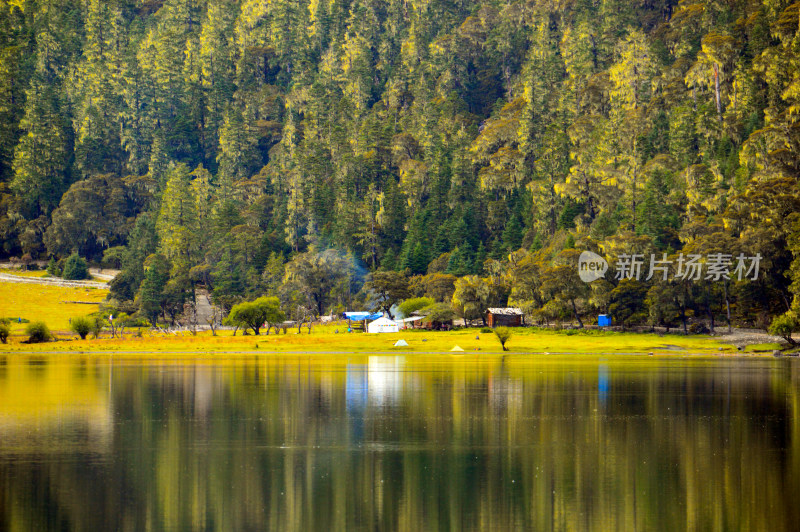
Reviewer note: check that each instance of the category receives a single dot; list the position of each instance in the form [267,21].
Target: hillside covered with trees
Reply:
[341,154]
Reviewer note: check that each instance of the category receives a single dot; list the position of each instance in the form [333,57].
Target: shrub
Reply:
[38,332]
[82,326]
[699,328]
[503,334]
[75,268]
[52,268]
[5,330]
[137,322]
[15,320]
[486,329]
[98,322]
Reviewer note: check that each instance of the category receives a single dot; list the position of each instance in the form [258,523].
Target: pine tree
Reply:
[41,159]
[177,223]
[14,72]
[630,75]
[98,90]
[151,293]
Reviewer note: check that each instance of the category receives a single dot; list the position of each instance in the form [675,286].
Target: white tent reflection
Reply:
[385,379]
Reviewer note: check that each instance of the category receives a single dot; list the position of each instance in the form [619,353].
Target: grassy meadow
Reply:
[23,273]
[324,339]
[54,305]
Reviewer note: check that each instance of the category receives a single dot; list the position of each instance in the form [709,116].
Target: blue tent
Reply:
[361,316]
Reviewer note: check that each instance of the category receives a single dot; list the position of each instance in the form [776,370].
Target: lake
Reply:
[416,443]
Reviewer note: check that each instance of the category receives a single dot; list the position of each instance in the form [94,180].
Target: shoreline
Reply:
[471,342]
[487,354]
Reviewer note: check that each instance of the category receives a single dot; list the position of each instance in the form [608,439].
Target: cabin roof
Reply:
[507,311]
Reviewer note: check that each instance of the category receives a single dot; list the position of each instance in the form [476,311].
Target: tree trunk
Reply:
[709,312]
[727,307]
[589,203]
[786,302]
[635,177]
[683,319]
[575,311]
[716,91]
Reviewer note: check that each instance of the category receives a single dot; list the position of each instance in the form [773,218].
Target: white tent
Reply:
[382,325]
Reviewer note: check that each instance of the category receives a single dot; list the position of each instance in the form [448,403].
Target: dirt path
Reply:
[104,274]
[52,281]
[205,311]
[744,337]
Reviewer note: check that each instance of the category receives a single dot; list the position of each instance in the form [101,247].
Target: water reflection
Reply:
[394,443]
[36,398]
[385,379]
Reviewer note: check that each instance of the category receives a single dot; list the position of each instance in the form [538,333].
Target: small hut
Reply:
[506,317]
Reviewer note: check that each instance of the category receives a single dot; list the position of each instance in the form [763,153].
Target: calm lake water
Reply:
[399,443]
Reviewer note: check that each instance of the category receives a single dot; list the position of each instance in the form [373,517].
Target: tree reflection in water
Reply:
[392,443]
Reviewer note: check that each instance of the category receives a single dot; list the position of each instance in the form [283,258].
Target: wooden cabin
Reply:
[505,317]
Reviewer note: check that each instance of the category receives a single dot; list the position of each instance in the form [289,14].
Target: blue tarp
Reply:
[604,321]
[361,316]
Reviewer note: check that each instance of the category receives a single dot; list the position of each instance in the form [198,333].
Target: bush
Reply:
[137,322]
[698,328]
[98,322]
[486,329]
[75,268]
[15,320]
[38,332]
[503,334]
[5,330]
[53,268]
[82,326]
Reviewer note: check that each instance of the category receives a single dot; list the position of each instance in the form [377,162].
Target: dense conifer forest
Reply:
[350,154]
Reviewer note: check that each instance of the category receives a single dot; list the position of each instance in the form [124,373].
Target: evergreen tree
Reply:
[177,222]
[75,268]
[41,159]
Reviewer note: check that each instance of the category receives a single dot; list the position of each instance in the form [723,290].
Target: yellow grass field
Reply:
[50,304]
[38,302]
[22,273]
